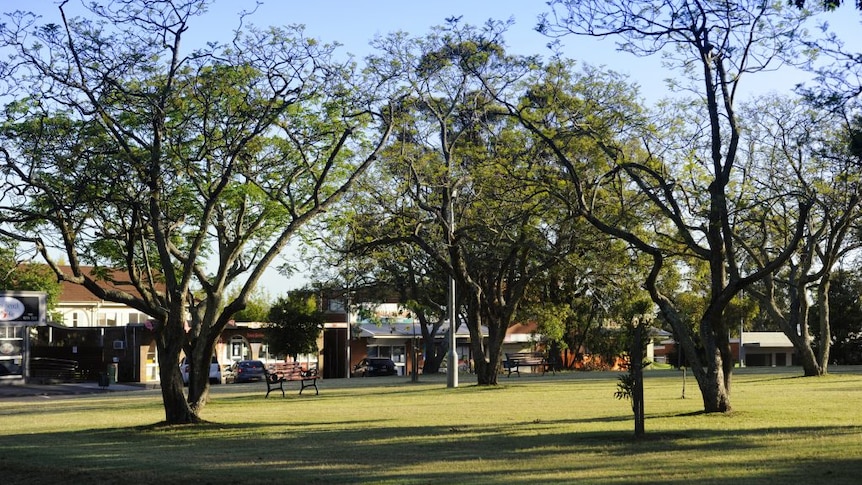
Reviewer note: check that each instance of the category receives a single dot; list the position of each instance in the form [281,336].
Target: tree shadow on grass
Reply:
[372,450]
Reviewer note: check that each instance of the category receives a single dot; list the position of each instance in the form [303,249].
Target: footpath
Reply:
[67,389]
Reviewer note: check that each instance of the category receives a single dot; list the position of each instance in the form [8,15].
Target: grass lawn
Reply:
[566,428]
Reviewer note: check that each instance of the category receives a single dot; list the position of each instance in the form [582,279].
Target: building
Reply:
[757,349]
[769,349]
[400,339]
[78,307]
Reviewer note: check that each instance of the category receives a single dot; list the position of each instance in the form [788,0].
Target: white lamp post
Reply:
[452,359]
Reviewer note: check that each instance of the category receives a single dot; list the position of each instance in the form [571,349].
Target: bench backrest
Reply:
[526,357]
[291,369]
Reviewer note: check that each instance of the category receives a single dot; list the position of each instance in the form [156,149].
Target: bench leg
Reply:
[303,385]
[270,386]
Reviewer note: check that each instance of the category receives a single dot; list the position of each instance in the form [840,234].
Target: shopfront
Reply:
[19,310]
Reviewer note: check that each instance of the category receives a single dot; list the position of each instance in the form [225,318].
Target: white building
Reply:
[78,307]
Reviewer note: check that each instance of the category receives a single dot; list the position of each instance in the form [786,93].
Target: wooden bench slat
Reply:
[280,372]
[514,360]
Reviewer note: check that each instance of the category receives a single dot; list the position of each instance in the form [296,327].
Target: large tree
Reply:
[460,180]
[577,305]
[846,314]
[362,247]
[688,174]
[174,171]
[295,323]
[812,153]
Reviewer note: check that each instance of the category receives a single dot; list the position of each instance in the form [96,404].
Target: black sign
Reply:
[22,307]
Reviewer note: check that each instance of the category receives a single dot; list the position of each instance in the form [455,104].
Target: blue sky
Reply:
[353,23]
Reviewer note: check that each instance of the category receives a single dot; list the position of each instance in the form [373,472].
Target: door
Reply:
[334,353]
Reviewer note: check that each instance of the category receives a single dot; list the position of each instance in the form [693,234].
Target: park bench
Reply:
[280,372]
[533,360]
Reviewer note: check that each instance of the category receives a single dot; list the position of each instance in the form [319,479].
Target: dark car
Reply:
[245,371]
[375,366]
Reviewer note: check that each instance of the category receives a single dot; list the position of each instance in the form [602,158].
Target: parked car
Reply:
[245,371]
[375,366]
[215,371]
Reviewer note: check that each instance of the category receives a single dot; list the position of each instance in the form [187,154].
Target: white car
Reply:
[215,371]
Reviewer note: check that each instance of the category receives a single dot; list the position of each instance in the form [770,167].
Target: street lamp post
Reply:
[452,359]
[452,362]
[349,332]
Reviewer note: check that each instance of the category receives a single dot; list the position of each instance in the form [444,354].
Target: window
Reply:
[138,317]
[107,319]
[238,348]
[11,344]
[395,352]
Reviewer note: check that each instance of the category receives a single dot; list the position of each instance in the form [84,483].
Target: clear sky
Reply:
[353,23]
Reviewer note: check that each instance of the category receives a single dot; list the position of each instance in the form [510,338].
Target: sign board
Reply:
[23,308]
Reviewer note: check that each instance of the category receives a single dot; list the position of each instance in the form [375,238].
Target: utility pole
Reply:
[452,358]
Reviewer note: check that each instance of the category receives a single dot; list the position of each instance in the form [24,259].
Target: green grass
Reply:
[555,429]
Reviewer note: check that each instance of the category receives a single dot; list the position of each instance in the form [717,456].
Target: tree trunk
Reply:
[825,327]
[433,358]
[492,362]
[199,372]
[710,380]
[169,343]
[177,409]
[637,358]
[484,366]
[198,387]
[794,324]
[722,338]
[709,372]
[800,338]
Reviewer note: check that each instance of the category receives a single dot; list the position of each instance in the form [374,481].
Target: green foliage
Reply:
[256,310]
[625,385]
[627,381]
[552,319]
[15,276]
[827,4]
[192,169]
[845,316]
[294,325]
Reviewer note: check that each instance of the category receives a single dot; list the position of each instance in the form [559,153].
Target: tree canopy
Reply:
[545,189]
[294,325]
[188,170]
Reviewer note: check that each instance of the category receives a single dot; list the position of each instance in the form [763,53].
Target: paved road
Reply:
[66,389]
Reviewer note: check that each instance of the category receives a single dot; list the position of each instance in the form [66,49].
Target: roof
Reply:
[522,332]
[405,328]
[75,293]
[766,339]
